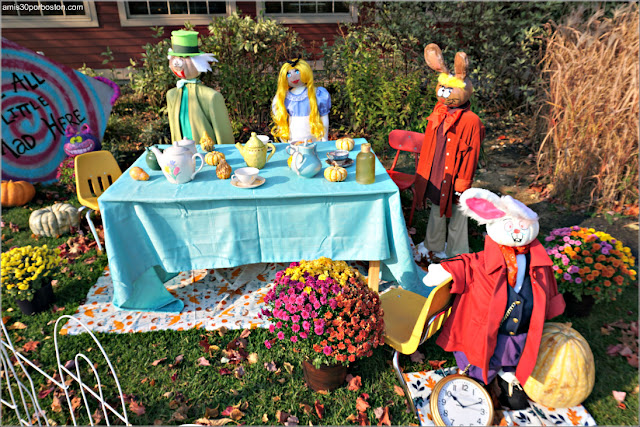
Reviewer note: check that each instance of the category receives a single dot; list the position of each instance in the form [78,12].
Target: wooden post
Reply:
[374,275]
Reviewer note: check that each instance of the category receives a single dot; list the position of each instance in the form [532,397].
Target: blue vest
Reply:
[518,320]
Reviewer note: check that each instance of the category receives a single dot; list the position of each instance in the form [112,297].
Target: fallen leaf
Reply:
[203,361]
[30,346]
[236,414]
[222,331]
[179,358]
[361,405]
[5,319]
[245,333]
[619,395]
[275,399]
[136,408]
[621,405]
[398,390]
[157,362]
[75,403]
[292,421]
[417,357]
[265,419]
[501,137]
[239,372]
[437,364]
[354,382]
[385,420]
[352,418]
[306,408]
[46,392]
[282,416]
[323,392]
[56,405]
[97,416]
[363,419]
[167,394]
[225,371]
[633,360]
[319,409]
[70,364]
[253,358]
[205,345]
[605,330]
[288,367]
[17,325]
[378,412]
[270,366]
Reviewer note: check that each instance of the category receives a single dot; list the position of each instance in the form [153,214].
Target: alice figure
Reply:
[194,109]
[300,111]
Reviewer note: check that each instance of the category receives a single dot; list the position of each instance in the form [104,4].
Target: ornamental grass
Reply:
[590,262]
[590,150]
[25,269]
[324,311]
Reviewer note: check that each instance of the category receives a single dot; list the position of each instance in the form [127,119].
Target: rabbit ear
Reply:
[481,205]
[433,58]
[460,65]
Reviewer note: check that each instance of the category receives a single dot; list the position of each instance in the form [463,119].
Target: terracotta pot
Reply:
[324,378]
[42,299]
[577,308]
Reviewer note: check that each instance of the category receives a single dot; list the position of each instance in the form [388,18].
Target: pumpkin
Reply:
[564,373]
[54,220]
[335,173]
[138,174]
[345,144]
[16,193]
[213,158]
[223,170]
[207,143]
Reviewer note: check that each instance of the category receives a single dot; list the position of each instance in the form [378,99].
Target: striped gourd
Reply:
[565,372]
[335,173]
[345,144]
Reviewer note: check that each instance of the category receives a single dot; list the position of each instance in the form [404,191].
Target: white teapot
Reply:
[178,163]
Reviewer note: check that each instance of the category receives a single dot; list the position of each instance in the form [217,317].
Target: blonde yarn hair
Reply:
[280,115]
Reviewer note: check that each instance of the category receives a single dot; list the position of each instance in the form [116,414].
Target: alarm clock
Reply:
[457,400]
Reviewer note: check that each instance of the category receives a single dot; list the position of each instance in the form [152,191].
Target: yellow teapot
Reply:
[254,151]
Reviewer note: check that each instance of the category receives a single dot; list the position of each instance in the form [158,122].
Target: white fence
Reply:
[21,396]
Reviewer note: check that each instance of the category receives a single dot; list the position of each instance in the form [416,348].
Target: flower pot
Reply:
[324,378]
[42,299]
[577,308]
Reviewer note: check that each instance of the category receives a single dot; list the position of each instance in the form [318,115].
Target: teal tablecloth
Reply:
[154,227]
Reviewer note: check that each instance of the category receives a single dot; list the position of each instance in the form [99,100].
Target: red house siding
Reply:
[77,46]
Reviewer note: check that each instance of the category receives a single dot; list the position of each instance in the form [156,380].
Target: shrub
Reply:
[66,174]
[591,143]
[589,262]
[154,78]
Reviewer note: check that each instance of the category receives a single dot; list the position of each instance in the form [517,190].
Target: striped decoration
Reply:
[39,99]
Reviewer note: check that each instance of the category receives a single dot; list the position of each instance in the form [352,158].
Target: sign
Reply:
[40,98]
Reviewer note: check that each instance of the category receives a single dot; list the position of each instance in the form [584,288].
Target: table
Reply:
[153,228]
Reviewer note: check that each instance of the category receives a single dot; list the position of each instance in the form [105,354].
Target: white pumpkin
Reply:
[54,220]
[345,144]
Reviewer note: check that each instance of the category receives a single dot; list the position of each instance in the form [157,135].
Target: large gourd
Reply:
[223,170]
[207,143]
[213,158]
[16,193]
[564,373]
[54,220]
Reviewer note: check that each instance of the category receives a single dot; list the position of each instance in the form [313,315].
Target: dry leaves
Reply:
[354,382]
[398,390]
[417,357]
[17,325]
[159,361]
[30,346]
[203,361]
[628,346]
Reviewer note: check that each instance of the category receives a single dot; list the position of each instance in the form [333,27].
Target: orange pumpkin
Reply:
[16,193]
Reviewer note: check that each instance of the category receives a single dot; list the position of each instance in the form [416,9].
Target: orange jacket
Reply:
[480,280]
[462,151]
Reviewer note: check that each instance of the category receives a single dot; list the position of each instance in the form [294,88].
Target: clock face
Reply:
[462,402]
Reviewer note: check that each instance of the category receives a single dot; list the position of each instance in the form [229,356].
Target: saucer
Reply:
[257,183]
[342,163]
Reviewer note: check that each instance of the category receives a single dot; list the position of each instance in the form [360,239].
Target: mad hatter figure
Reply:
[193,107]
[449,157]
[300,111]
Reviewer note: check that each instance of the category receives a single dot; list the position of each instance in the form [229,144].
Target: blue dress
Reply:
[298,108]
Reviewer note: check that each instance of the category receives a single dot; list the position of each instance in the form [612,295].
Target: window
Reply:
[48,14]
[308,12]
[147,13]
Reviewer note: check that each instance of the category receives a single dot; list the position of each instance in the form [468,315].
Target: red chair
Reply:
[403,140]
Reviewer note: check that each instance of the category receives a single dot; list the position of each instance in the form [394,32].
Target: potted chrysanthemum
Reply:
[590,266]
[26,276]
[324,311]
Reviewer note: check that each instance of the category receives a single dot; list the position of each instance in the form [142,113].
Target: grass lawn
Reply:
[177,392]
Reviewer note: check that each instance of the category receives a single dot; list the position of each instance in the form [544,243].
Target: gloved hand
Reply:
[436,276]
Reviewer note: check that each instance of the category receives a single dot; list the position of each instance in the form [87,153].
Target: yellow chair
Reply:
[95,172]
[410,319]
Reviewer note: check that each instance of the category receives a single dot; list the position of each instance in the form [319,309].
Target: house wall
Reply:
[77,46]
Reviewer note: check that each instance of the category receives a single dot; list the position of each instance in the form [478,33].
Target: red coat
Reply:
[463,149]
[480,280]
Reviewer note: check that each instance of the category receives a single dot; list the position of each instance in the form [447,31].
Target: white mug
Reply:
[246,175]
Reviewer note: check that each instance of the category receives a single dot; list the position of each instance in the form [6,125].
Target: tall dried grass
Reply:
[590,149]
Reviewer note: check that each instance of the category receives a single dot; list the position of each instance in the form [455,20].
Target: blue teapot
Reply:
[304,159]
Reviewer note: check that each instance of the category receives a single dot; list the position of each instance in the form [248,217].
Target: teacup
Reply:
[338,155]
[246,176]
[263,138]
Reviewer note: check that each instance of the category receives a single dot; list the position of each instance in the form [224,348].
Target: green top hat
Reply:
[184,43]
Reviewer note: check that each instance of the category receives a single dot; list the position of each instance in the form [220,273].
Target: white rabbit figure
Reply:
[503,294]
